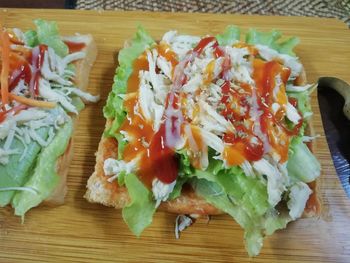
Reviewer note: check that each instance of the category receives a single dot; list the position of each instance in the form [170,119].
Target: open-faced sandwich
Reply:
[43,76]
[208,125]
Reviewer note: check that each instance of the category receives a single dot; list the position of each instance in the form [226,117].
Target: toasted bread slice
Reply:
[99,190]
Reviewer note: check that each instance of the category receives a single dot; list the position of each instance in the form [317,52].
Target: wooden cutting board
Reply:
[83,232]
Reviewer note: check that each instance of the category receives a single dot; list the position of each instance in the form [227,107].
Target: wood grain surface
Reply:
[83,232]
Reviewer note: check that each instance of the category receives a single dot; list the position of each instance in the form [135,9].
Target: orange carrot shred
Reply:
[5,54]
[32,102]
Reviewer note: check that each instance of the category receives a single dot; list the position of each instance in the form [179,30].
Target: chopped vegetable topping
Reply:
[37,96]
[221,115]
[32,102]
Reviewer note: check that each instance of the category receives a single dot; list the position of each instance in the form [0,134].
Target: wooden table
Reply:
[83,232]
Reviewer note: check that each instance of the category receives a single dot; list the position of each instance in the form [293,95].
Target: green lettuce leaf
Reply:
[255,227]
[114,108]
[287,46]
[44,178]
[121,144]
[229,36]
[248,192]
[254,36]
[215,195]
[16,172]
[180,181]
[184,174]
[185,168]
[302,164]
[121,178]
[77,103]
[274,221]
[303,101]
[31,38]
[138,214]
[271,39]
[48,34]
[243,197]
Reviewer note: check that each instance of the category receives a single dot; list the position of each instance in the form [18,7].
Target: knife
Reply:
[332,93]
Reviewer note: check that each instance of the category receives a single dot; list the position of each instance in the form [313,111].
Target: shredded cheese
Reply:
[181,223]
[4,155]
[161,191]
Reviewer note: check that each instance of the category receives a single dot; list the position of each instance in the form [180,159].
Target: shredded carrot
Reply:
[21,50]
[32,102]
[13,38]
[5,54]
[2,116]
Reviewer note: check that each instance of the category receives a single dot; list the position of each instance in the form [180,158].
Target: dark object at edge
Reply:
[337,127]
[60,4]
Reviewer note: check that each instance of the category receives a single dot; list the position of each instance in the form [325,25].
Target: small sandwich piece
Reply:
[43,78]
[208,125]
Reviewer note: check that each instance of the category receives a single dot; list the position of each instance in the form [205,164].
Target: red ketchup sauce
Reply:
[25,64]
[238,148]
[156,159]
[164,163]
[38,54]
[27,67]
[75,46]
[274,125]
[19,69]
[203,43]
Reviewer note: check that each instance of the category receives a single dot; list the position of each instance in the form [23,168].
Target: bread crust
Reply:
[99,190]
[83,66]
[313,206]
[62,167]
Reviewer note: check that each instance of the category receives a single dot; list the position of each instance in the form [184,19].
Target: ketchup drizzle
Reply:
[163,160]
[37,62]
